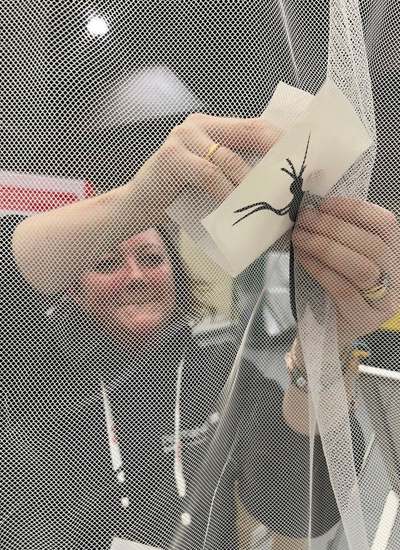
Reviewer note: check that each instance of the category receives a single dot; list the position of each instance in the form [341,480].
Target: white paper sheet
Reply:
[336,139]
[286,105]
[386,523]
[282,111]
[124,544]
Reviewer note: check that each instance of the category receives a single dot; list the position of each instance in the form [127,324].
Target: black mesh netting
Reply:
[200,275]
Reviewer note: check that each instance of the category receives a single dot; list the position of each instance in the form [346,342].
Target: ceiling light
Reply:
[97,26]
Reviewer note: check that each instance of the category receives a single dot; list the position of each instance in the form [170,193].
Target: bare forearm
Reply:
[52,249]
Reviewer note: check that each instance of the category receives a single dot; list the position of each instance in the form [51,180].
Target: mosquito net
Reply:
[200,275]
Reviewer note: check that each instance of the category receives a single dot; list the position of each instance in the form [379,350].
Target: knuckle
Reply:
[210,171]
[233,166]
[370,278]
[223,151]
[169,150]
[256,126]
[176,131]
[379,250]
[386,222]
[260,131]
[390,219]
[195,118]
[181,132]
[226,155]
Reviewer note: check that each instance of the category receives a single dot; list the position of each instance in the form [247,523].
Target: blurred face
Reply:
[131,292]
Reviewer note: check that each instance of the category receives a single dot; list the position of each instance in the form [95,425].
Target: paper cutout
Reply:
[296,188]
[124,544]
[334,138]
[286,105]
[192,205]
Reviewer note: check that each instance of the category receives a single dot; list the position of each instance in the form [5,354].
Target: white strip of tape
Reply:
[381,373]
[386,523]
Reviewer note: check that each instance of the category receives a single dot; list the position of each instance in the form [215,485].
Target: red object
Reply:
[28,194]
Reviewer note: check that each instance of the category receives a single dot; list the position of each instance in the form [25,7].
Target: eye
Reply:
[108,265]
[150,259]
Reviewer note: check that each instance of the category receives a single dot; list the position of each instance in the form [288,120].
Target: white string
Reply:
[215,493]
[290,42]
[178,466]
[386,523]
[113,444]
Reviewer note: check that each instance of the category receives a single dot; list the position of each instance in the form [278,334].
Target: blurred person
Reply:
[121,347]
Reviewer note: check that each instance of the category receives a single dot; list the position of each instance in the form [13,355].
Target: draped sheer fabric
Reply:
[149,399]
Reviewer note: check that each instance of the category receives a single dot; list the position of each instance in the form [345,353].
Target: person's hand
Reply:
[349,246]
[204,152]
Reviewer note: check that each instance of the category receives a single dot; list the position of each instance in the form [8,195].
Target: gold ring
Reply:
[212,150]
[377,292]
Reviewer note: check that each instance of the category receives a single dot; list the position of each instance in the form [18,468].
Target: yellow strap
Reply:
[392,324]
[360,354]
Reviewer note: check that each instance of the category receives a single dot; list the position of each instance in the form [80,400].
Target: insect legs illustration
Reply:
[296,188]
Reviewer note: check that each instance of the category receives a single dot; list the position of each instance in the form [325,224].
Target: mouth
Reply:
[138,295]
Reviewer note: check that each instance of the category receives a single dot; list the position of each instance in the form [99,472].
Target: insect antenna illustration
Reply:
[296,188]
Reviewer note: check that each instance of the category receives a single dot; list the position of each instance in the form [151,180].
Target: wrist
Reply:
[296,367]
[350,357]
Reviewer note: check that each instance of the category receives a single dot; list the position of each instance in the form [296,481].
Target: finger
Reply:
[253,134]
[366,215]
[358,269]
[180,167]
[198,142]
[231,164]
[338,287]
[351,306]
[352,236]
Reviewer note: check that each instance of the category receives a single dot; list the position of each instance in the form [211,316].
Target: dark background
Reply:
[230,55]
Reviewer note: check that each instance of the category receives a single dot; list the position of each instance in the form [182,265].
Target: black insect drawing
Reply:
[296,188]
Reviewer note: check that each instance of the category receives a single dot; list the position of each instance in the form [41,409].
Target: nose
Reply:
[133,269]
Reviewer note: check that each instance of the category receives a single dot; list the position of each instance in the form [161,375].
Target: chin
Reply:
[139,330]
[139,324]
